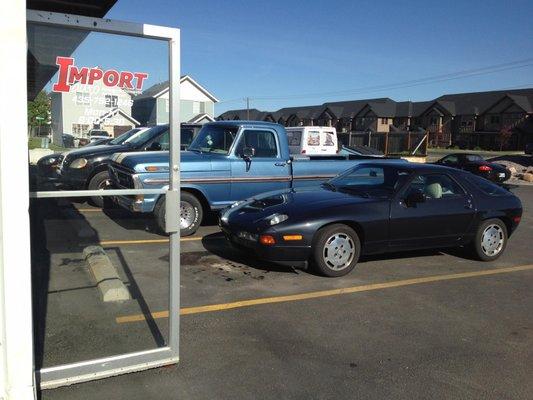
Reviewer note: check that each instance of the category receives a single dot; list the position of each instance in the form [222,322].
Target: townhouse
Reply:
[492,120]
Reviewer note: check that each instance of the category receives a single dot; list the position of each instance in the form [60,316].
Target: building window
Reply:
[384,121]
[196,107]
[494,119]
[83,99]
[111,101]
[80,130]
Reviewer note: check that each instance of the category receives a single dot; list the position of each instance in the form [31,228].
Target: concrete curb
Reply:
[104,273]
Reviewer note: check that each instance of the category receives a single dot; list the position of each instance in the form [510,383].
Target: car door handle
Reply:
[468,204]
[280,164]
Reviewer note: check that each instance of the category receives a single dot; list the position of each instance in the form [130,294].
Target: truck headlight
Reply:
[277,219]
[78,163]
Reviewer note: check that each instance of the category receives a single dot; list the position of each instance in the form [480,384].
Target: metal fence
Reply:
[390,143]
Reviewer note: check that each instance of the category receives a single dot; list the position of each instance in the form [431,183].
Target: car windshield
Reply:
[126,135]
[214,139]
[145,136]
[369,180]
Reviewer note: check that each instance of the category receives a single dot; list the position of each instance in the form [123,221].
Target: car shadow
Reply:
[217,244]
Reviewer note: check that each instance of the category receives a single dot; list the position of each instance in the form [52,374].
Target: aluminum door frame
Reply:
[82,371]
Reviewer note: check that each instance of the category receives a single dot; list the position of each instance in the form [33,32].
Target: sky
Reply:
[290,53]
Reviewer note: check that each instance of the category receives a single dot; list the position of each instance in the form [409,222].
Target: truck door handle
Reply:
[280,164]
[468,204]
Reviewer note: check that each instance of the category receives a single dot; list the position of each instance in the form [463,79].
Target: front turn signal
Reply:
[267,240]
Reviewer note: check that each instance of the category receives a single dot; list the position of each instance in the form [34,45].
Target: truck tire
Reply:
[336,250]
[97,182]
[191,214]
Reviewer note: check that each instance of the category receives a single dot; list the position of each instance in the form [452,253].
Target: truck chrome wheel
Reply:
[339,251]
[492,240]
[187,215]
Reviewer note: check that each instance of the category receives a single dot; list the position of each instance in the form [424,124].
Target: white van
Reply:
[312,140]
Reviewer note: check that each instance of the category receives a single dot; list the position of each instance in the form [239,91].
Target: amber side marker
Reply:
[325,293]
[292,237]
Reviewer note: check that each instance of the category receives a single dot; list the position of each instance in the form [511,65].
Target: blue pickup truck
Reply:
[227,161]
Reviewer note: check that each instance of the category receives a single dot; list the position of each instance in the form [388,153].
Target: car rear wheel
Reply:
[191,214]
[490,240]
[336,250]
[98,182]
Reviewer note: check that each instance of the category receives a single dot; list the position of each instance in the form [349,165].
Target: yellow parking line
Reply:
[325,293]
[147,241]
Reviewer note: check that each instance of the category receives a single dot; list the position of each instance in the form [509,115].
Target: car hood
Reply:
[95,151]
[304,201]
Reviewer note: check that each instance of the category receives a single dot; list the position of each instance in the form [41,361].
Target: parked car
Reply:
[477,165]
[375,208]
[312,140]
[87,168]
[48,165]
[226,162]
[95,134]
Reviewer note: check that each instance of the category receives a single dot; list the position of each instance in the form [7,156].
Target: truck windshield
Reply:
[214,139]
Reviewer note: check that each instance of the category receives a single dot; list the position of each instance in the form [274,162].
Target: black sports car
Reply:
[477,165]
[375,208]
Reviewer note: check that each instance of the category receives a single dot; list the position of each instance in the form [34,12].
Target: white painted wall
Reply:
[71,112]
[16,332]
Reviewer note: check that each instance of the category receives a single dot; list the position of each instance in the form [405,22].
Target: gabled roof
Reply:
[114,111]
[200,117]
[161,88]
[451,104]
[242,114]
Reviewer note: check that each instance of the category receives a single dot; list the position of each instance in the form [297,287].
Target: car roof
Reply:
[410,166]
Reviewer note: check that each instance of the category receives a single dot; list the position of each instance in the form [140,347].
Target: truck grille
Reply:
[121,177]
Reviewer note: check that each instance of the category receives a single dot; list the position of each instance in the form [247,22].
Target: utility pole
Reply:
[247,109]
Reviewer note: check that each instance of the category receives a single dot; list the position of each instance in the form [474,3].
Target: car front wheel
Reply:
[490,240]
[336,250]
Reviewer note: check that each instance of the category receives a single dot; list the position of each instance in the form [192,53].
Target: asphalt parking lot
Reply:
[427,324]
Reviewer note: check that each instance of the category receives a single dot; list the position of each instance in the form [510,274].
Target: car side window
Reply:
[264,143]
[451,159]
[435,186]
[164,141]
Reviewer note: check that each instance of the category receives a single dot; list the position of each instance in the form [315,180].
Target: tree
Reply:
[39,110]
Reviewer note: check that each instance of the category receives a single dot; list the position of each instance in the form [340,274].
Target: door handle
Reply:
[280,164]
[468,204]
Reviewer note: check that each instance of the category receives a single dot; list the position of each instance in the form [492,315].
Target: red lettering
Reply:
[141,76]
[64,63]
[108,75]
[95,74]
[78,75]
[125,80]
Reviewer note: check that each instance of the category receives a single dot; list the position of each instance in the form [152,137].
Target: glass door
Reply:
[101,92]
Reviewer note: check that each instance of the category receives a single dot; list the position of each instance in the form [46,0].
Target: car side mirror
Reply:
[155,146]
[248,153]
[414,198]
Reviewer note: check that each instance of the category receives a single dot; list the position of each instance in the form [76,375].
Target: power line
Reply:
[411,83]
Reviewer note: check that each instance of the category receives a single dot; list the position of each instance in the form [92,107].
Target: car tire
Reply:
[191,218]
[98,182]
[490,240]
[336,250]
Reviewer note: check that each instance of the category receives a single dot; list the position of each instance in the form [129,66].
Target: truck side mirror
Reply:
[248,152]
